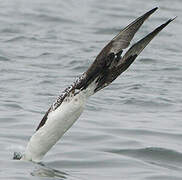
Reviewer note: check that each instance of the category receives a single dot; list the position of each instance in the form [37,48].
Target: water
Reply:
[131,130]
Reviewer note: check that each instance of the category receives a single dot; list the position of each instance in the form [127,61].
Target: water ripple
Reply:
[131,130]
[166,158]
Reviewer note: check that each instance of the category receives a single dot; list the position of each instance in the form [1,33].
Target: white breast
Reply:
[58,122]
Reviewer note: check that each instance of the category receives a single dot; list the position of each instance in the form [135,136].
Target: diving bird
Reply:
[67,108]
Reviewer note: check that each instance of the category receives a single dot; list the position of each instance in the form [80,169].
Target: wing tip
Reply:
[166,23]
[154,9]
[172,19]
[147,14]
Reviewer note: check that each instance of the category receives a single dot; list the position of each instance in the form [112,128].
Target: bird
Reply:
[69,105]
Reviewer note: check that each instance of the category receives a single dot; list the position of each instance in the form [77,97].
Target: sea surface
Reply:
[131,130]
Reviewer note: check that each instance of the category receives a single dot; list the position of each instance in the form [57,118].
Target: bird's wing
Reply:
[123,39]
[115,46]
[120,65]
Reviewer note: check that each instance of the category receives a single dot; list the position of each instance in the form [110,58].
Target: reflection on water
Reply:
[43,171]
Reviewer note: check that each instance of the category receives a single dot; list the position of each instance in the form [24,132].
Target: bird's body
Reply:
[58,122]
[108,65]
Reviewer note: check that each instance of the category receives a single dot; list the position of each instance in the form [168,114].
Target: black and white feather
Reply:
[67,108]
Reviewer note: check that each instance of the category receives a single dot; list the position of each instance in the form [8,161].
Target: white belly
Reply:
[58,122]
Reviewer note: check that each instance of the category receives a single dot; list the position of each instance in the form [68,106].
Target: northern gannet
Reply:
[67,108]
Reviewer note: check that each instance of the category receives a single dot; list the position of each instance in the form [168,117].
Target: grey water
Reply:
[131,130]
